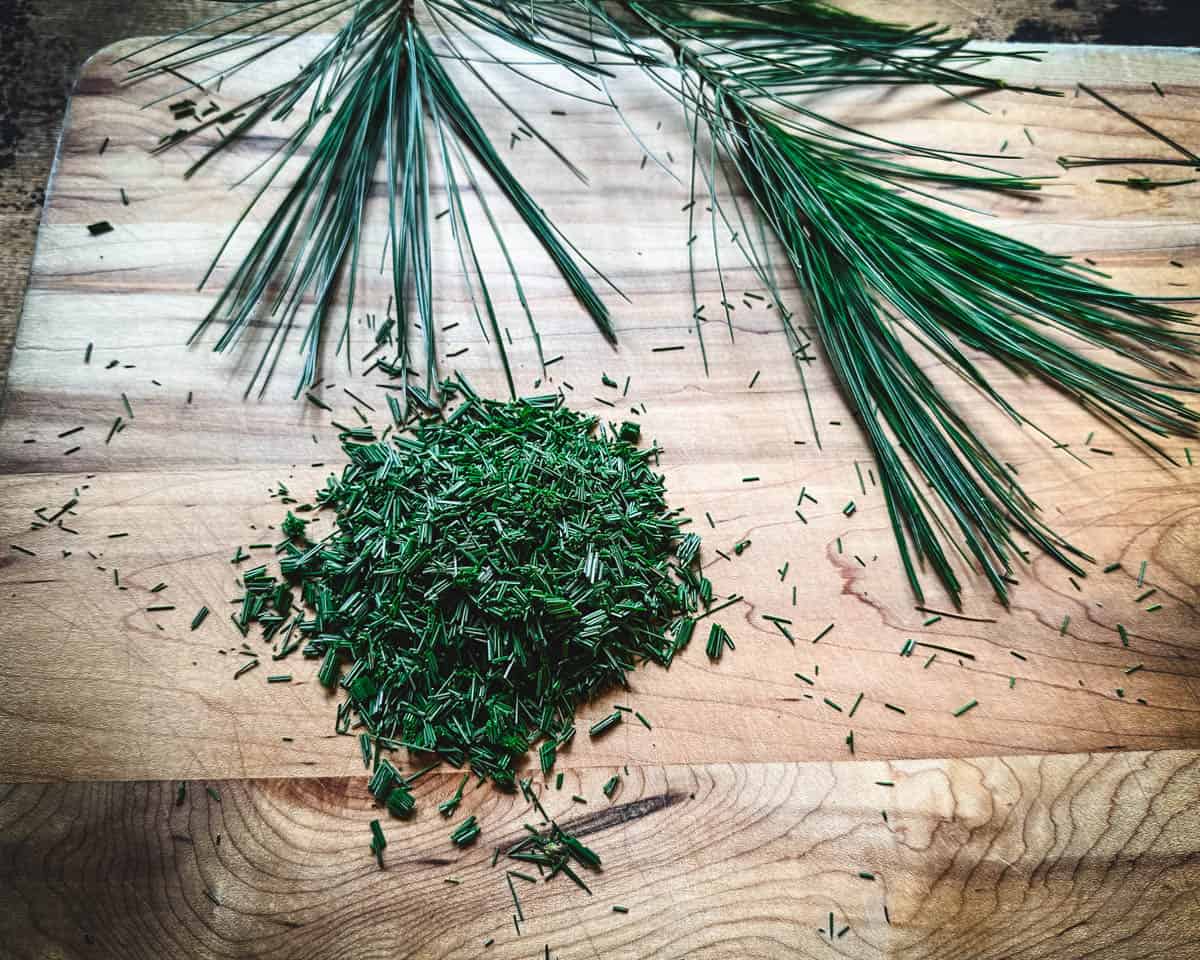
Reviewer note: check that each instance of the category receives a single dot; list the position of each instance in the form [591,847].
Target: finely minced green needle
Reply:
[466,832]
[485,573]
[718,640]
[447,807]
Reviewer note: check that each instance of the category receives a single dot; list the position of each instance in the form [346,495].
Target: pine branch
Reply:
[873,260]
[380,96]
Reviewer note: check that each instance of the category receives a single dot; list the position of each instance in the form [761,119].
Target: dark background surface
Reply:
[43,44]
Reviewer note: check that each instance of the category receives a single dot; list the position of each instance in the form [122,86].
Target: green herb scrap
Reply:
[554,851]
[487,573]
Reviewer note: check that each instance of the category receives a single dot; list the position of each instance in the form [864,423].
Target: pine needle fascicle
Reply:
[879,266]
[379,96]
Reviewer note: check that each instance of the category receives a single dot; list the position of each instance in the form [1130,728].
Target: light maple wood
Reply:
[96,687]
[1018,857]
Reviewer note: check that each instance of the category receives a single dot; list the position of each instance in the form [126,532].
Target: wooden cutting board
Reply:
[740,822]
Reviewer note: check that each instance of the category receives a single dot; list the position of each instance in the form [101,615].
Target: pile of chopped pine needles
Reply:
[488,572]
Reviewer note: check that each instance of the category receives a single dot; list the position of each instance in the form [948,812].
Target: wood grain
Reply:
[1016,858]
[94,686]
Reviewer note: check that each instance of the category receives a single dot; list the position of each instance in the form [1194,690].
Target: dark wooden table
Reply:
[43,44]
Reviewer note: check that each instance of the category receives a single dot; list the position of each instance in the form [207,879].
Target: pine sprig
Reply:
[380,96]
[873,260]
